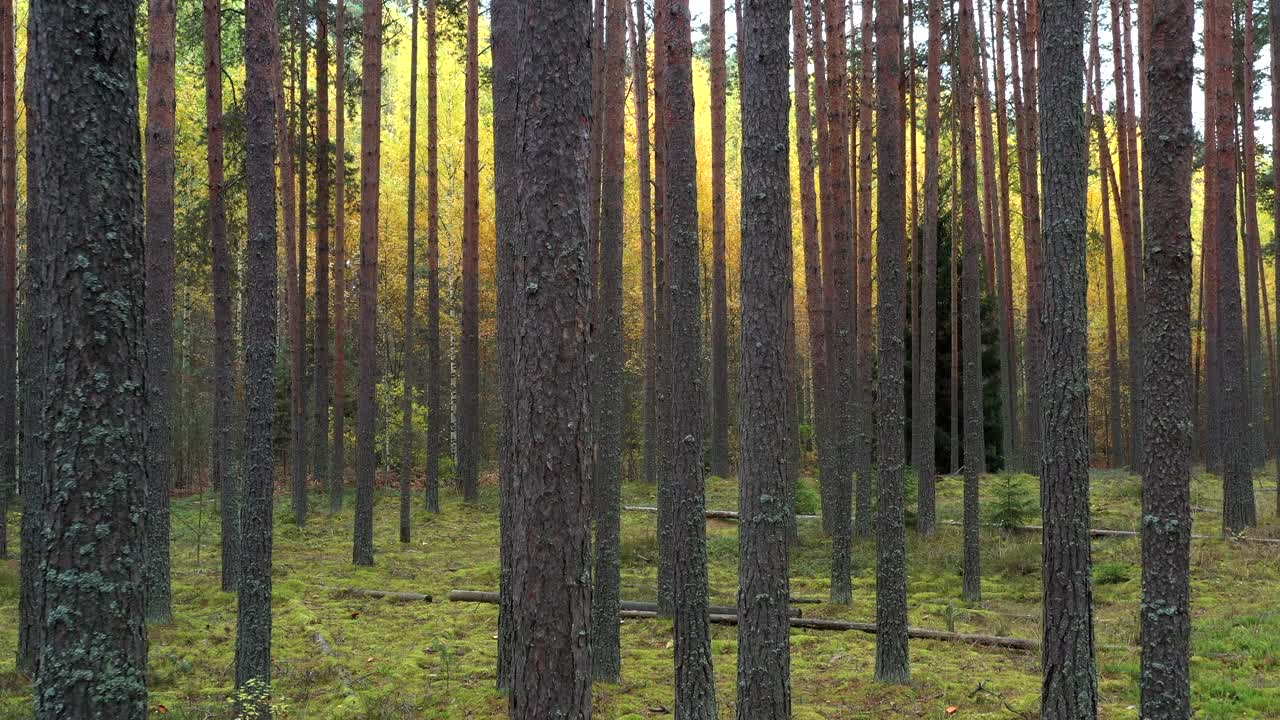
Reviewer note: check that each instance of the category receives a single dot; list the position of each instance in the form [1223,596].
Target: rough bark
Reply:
[298,314]
[764,664]
[223,367]
[338,470]
[606,649]
[1166,502]
[160,137]
[864,421]
[695,697]
[320,422]
[85,183]
[8,272]
[1274,37]
[370,161]
[469,375]
[1256,436]
[1032,240]
[1239,509]
[640,89]
[1129,227]
[1070,687]
[1009,351]
[253,633]
[924,426]
[410,289]
[548,433]
[838,465]
[286,132]
[666,530]
[971,305]
[893,663]
[435,398]
[719,275]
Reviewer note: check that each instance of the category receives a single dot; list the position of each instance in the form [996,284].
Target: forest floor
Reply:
[341,656]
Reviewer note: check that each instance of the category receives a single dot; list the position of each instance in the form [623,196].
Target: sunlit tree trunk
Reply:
[864,421]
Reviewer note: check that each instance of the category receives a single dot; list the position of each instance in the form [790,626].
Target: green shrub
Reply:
[1013,506]
[1111,573]
[808,499]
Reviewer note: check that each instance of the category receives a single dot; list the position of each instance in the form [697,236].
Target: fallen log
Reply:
[845,625]
[480,596]
[389,595]
[711,514]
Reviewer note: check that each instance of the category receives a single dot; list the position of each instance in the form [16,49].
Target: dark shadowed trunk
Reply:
[608,341]
[1004,256]
[1070,686]
[435,397]
[893,664]
[85,183]
[695,695]
[827,441]
[1166,498]
[8,271]
[370,161]
[286,129]
[764,663]
[971,305]
[864,422]
[640,89]
[320,426]
[924,424]
[410,287]
[298,313]
[666,512]
[719,275]
[253,631]
[161,109]
[223,367]
[1274,29]
[549,298]
[1256,436]
[338,471]
[469,375]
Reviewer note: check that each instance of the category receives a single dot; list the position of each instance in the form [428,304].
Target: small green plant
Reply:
[1013,505]
[442,649]
[808,501]
[1111,573]
[252,701]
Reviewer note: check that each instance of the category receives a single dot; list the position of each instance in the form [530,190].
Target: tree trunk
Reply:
[253,633]
[695,696]
[1009,343]
[606,648]
[764,664]
[469,376]
[865,348]
[223,367]
[1129,229]
[286,130]
[161,108]
[1070,685]
[435,400]
[1028,141]
[338,471]
[640,88]
[719,281]
[552,675]
[410,288]
[320,439]
[971,227]
[925,414]
[8,272]
[840,312]
[86,218]
[298,389]
[1253,261]
[827,441]
[1239,510]
[1166,537]
[1274,30]
[666,512]
[892,661]
[370,168]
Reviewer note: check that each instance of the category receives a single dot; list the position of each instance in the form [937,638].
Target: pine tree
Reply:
[338,470]
[320,426]
[720,278]
[640,78]
[469,373]
[161,109]
[864,347]
[410,287]
[298,319]
[435,380]
[8,272]
[926,403]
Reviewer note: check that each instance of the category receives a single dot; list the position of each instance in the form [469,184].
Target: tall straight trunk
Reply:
[1004,256]
[435,398]
[666,512]
[370,168]
[956,438]
[1252,260]
[809,215]
[1128,136]
[971,304]
[640,89]
[320,428]
[1115,449]
[338,470]
[410,288]
[1239,510]
[1274,37]
[1069,690]
[551,475]
[1029,19]
[8,271]
[827,441]
[1129,229]
[469,375]
[223,367]
[695,696]
[298,389]
[719,275]
[286,130]
[161,109]
[764,663]
[86,216]
[1165,681]
[923,430]
[1209,279]
[893,663]
[993,229]
[864,422]
[253,630]
[606,649]
[841,404]
[593,219]
[913,227]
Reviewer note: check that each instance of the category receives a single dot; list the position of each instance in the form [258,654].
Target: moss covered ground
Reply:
[389,659]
